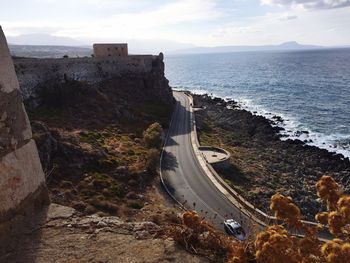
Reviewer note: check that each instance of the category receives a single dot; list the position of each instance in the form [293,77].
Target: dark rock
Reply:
[277,119]
[295,142]
[46,143]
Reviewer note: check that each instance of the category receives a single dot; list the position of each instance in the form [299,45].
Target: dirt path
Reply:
[60,234]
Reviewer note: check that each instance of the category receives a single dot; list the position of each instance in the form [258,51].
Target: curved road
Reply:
[186,181]
[184,177]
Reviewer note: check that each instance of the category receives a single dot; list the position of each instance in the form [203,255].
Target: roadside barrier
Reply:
[259,217]
[249,210]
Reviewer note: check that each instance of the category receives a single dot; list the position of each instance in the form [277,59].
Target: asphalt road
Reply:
[187,182]
[185,178]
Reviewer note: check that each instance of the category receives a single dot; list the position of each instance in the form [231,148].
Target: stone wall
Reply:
[21,176]
[33,72]
[110,50]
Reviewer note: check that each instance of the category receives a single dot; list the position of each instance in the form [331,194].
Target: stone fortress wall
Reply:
[22,180]
[32,72]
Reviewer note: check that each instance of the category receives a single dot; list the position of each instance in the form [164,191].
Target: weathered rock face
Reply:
[21,174]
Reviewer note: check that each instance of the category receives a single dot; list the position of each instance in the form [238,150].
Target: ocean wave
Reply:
[292,127]
[295,130]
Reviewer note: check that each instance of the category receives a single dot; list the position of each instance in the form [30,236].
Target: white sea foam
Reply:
[293,129]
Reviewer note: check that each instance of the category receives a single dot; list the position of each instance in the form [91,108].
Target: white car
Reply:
[233,228]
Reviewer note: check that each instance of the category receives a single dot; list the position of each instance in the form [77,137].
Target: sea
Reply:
[310,89]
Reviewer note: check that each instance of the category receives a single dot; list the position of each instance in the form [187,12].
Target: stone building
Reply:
[22,180]
[110,50]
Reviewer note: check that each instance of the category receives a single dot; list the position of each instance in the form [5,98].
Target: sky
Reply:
[177,23]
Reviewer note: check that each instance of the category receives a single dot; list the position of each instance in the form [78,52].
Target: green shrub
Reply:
[153,159]
[152,136]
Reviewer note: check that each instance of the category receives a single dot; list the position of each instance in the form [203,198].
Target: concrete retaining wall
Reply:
[259,217]
[21,174]
[222,163]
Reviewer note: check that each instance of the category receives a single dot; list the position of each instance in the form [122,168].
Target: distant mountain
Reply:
[56,51]
[136,46]
[225,49]
[145,47]
[43,51]
[43,39]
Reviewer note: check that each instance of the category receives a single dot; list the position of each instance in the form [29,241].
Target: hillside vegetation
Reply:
[99,145]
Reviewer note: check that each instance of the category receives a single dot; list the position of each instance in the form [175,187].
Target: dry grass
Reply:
[275,244]
[101,156]
[200,237]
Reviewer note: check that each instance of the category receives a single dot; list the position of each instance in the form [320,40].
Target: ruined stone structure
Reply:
[22,180]
[110,50]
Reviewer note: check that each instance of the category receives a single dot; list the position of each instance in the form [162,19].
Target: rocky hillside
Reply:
[90,141]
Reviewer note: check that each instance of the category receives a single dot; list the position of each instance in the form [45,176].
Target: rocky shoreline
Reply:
[263,164]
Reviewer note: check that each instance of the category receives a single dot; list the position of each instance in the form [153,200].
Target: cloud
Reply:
[309,4]
[320,28]
[146,24]
[235,30]
[143,23]
[287,17]
[174,13]
[200,22]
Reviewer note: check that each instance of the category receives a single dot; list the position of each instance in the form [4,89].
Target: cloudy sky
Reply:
[192,22]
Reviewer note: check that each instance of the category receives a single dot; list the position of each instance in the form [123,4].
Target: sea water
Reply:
[310,90]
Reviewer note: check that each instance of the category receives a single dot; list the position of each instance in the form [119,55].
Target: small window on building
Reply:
[116,48]
[122,48]
[108,49]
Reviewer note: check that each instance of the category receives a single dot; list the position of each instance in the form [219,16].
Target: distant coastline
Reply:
[58,51]
[287,46]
